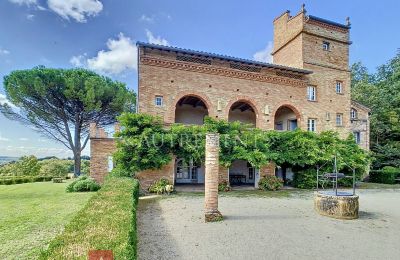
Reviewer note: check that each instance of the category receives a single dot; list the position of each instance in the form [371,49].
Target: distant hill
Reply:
[6,159]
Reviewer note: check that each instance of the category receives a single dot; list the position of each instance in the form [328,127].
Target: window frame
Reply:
[158,98]
[340,85]
[312,127]
[353,113]
[357,137]
[339,116]
[314,93]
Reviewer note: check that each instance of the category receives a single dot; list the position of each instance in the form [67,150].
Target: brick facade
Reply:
[220,81]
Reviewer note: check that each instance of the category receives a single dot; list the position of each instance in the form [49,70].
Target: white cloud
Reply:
[4,100]
[155,40]
[147,19]
[30,17]
[23,139]
[79,60]
[120,56]
[24,2]
[265,54]
[3,139]
[4,51]
[78,10]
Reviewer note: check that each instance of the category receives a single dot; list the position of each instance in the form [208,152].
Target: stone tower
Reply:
[308,42]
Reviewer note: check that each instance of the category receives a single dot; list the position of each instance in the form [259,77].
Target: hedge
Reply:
[386,175]
[107,222]
[9,180]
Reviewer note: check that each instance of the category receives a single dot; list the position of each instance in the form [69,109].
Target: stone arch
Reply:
[251,102]
[180,95]
[289,106]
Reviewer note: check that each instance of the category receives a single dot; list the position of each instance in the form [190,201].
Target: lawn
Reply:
[107,222]
[32,214]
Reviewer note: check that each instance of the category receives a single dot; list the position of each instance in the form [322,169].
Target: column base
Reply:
[214,216]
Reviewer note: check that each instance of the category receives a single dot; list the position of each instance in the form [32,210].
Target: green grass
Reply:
[107,222]
[32,214]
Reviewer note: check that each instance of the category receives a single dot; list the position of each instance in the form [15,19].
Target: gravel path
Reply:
[268,228]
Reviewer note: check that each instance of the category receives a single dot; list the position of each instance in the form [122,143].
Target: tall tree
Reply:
[61,103]
[381,93]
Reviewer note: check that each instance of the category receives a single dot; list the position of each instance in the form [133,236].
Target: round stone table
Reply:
[342,206]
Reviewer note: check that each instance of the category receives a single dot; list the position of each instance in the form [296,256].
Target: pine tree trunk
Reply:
[77,163]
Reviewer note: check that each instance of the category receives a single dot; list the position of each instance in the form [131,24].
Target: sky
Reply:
[101,34]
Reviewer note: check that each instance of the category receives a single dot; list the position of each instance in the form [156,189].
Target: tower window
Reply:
[339,87]
[326,46]
[312,125]
[339,119]
[357,137]
[158,101]
[311,93]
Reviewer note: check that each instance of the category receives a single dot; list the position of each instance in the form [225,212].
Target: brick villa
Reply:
[307,87]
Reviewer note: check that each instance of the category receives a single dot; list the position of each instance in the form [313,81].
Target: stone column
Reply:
[211,178]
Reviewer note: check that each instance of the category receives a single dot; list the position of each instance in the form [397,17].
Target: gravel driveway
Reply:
[257,227]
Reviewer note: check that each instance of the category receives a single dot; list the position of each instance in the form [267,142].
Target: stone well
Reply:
[341,206]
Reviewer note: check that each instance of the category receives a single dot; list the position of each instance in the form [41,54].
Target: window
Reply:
[279,126]
[339,119]
[311,93]
[357,137]
[353,113]
[339,87]
[312,125]
[326,46]
[159,101]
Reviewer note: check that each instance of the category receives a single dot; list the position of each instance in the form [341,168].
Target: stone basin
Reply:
[344,205]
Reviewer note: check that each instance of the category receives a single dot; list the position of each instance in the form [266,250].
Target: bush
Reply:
[270,182]
[83,184]
[58,180]
[55,167]
[160,186]
[387,175]
[224,186]
[108,221]
[119,172]
[305,179]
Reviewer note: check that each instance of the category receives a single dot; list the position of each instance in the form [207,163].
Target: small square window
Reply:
[339,87]
[326,46]
[159,101]
[357,137]
[312,125]
[339,119]
[311,93]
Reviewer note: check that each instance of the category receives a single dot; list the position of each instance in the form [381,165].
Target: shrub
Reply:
[224,186]
[58,180]
[159,186]
[83,184]
[270,182]
[387,175]
[55,167]
[305,179]
[119,172]
[108,221]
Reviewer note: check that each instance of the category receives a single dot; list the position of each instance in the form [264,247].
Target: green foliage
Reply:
[120,172]
[107,222]
[145,144]
[224,186]
[83,184]
[160,186]
[305,179]
[141,143]
[380,92]
[387,175]
[55,167]
[61,103]
[9,180]
[27,165]
[270,182]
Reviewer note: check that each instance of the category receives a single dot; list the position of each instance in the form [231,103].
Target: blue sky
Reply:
[101,35]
